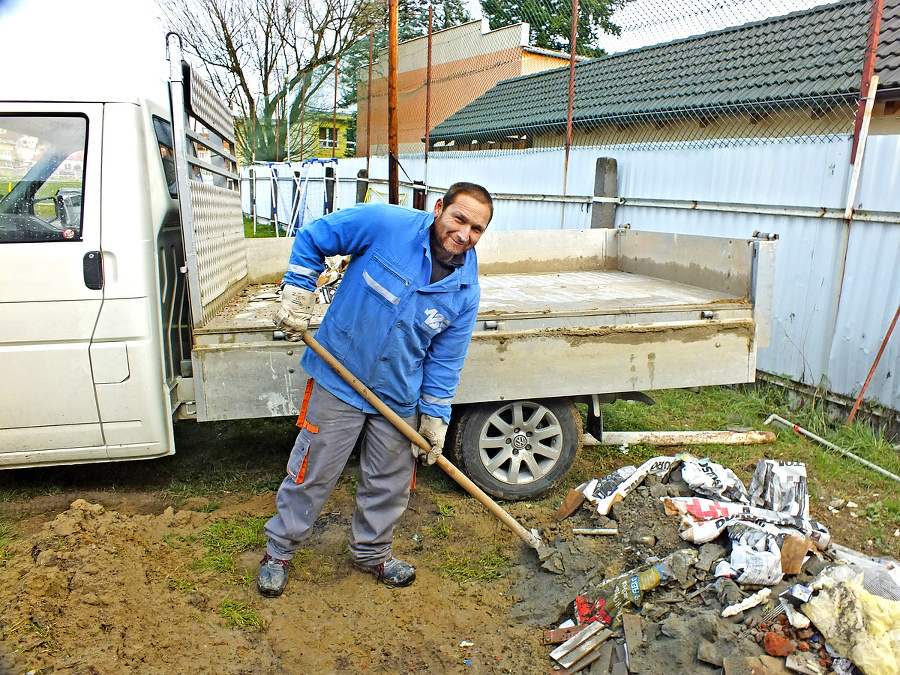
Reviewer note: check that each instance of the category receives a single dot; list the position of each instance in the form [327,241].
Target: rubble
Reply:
[756,593]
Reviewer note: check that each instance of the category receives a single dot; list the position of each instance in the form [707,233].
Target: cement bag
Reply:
[862,627]
[780,487]
[713,480]
[755,555]
[606,491]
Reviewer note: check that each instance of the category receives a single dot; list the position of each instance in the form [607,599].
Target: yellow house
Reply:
[329,135]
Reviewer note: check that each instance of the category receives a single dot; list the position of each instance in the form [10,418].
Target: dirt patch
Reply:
[98,590]
[112,584]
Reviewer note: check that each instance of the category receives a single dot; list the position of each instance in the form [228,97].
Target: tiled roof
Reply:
[816,52]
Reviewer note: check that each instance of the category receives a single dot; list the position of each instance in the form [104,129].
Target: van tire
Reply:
[516,449]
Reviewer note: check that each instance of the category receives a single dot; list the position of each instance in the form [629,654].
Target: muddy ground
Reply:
[113,582]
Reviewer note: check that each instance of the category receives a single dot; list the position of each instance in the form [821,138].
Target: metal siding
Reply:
[869,301]
[810,340]
[878,184]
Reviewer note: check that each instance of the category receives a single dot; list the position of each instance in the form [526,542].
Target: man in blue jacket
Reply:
[400,321]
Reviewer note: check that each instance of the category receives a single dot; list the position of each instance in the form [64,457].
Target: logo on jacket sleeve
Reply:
[435,320]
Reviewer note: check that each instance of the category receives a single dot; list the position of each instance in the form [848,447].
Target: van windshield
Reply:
[41,177]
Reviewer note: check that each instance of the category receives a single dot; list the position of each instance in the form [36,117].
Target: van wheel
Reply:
[518,449]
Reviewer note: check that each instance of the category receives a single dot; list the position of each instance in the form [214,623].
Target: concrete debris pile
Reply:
[756,588]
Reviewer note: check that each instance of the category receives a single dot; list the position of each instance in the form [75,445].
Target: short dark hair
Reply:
[476,192]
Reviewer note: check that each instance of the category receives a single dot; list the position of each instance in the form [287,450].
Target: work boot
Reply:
[272,577]
[391,572]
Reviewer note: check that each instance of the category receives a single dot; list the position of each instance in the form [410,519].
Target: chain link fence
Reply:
[650,74]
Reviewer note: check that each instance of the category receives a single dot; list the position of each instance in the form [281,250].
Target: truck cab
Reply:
[89,236]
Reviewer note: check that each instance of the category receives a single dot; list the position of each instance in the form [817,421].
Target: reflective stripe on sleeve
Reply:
[436,401]
[381,290]
[303,271]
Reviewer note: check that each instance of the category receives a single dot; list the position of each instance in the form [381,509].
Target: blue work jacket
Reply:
[405,338]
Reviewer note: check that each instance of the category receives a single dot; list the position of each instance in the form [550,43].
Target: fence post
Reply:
[606,184]
[419,195]
[362,185]
[329,189]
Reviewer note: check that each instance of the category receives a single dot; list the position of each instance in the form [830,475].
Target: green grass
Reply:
[212,459]
[181,585]
[831,474]
[488,566]
[440,530]
[262,229]
[314,566]
[6,538]
[445,508]
[239,615]
[228,539]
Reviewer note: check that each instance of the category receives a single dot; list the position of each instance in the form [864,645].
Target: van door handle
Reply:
[93,270]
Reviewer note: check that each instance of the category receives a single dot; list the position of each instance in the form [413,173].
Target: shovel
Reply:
[531,538]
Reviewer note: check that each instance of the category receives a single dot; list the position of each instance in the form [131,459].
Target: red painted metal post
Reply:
[393,160]
[868,71]
[369,105]
[428,88]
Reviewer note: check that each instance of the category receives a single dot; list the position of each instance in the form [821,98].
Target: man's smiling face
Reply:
[459,226]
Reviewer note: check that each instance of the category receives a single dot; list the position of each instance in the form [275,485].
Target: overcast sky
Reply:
[120,39]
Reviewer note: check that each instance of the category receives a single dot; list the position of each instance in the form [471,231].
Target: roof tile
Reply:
[808,53]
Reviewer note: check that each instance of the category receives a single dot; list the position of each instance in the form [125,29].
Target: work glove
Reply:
[293,316]
[433,430]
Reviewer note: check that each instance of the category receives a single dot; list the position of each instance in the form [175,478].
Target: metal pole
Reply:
[860,147]
[428,95]
[277,131]
[804,432]
[334,132]
[868,71]
[287,108]
[369,104]
[302,111]
[393,172]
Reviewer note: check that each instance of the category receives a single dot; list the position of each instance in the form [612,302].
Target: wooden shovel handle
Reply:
[415,437]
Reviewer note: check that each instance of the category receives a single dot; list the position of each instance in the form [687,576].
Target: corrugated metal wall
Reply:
[829,319]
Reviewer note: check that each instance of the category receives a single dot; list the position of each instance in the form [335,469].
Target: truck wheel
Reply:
[517,449]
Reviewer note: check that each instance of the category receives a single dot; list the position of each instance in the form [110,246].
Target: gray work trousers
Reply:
[327,438]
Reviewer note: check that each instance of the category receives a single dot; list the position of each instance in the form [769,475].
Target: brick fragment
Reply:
[776,645]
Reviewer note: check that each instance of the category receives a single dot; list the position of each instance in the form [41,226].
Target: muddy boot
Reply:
[272,577]
[391,572]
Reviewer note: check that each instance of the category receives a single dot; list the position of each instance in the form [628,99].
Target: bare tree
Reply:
[267,57]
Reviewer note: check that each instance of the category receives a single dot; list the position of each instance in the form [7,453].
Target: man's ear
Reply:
[438,206]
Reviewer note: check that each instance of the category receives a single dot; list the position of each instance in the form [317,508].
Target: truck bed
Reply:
[563,314]
[508,296]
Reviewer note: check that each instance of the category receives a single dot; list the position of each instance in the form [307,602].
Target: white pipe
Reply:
[804,432]
[670,438]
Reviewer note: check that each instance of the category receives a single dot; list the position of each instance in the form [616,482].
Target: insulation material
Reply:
[862,627]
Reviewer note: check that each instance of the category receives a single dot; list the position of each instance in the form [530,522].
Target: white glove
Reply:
[433,430]
[295,312]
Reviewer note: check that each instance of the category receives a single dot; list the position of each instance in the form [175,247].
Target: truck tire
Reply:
[517,449]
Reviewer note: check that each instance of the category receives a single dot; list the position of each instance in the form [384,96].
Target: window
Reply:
[166,152]
[326,137]
[41,177]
